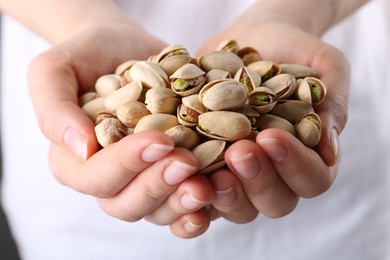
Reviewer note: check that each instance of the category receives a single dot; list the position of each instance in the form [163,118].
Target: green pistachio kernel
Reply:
[260,100]
[316,92]
[180,84]
[247,83]
[314,121]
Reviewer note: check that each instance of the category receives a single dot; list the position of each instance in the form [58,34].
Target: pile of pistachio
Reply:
[206,103]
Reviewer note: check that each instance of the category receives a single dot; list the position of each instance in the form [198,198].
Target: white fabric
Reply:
[350,221]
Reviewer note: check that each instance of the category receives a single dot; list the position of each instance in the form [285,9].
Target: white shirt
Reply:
[349,221]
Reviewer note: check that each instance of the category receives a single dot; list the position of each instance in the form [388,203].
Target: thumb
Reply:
[53,88]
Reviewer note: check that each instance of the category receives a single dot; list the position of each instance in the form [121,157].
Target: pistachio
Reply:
[249,78]
[311,90]
[266,121]
[308,130]
[216,74]
[130,113]
[89,96]
[183,136]
[107,84]
[93,107]
[224,125]
[161,100]
[266,69]
[109,131]
[224,94]
[210,155]
[150,74]
[249,55]
[172,58]
[187,80]
[297,70]
[229,45]
[160,122]
[262,99]
[283,85]
[128,93]
[222,60]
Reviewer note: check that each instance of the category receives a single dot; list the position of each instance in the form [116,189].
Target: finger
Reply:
[191,195]
[54,89]
[262,184]
[334,71]
[191,225]
[151,187]
[301,168]
[112,168]
[231,201]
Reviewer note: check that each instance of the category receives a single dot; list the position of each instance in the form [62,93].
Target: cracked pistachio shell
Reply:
[292,110]
[109,131]
[224,125]
[297,70]
[93,107]
[262,99]
[229,45]
[187,80]
[172,58]
[311,90]
[224,94]
[210,155]
[128,93]
[160,122]
[283,85]
[267,121]
[102,115]
[121,68]
[130,113]
[107,84]
[216,74]
[249,78]
[183,136]
[150,74]
[309,129]
[87,97]
[189,110]
[222,60]
[249,55]
[266,69]
[161,100]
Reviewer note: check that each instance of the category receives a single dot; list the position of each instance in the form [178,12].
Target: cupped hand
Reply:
[269,175]
[141,176]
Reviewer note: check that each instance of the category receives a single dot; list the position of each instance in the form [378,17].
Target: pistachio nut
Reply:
[187,80]
[150,74]
[309,129]
[172,57]
[311,90]
[224,125]
[109,131]
[128,93]
[262,99]
[89,96]
[160,122]
[249,55]
[107,84]
[121,68]
[210,155]
[189,110]
[183,136]
[130,113]
[103,115]
[223,60]
[249,78]
[297,70]
[93,107]
[266,121]
[161,100]
[224,94]
[266,69]
[292,110]
[228,45]
[216,74]
[283,85]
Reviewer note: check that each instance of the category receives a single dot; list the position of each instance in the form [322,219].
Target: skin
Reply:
[265,176]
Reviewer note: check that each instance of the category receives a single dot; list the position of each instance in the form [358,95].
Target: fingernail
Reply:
[274,148]
[76,143]
[191,228]
[334,137]
[226,197]
[177,172]
[246,166]
[191,203]
[155,152]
